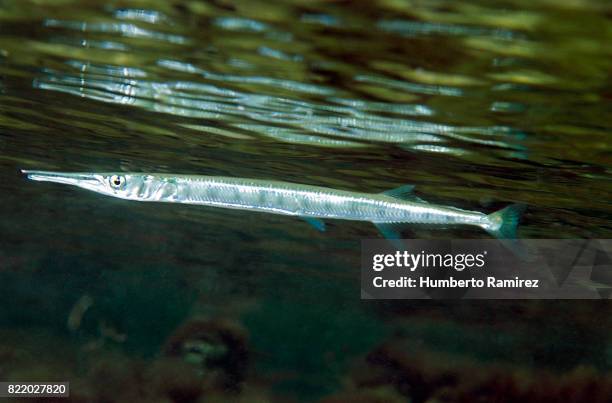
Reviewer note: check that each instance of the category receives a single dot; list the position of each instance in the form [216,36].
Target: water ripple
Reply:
[413,28]
[410,87]
[267,81]
[150,16]
[241,24]
[124,29]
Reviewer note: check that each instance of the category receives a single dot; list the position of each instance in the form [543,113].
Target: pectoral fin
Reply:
[319,225]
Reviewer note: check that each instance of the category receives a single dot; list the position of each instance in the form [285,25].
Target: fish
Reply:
[389,211]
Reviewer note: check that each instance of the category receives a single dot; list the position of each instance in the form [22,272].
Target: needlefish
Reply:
[388,210]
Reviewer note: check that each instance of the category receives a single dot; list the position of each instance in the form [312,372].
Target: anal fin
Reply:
[392,232]
[389,231]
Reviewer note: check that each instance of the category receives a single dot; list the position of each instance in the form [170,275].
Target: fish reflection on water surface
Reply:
[340,122]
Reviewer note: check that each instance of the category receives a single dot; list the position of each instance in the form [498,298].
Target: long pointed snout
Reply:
[68,178]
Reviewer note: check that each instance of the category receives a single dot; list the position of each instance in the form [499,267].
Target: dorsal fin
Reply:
[401,192]
[405,192]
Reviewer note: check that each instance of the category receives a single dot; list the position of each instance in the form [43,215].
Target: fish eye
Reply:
[116,181]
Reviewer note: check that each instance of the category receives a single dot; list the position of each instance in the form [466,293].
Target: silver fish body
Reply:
[314,202]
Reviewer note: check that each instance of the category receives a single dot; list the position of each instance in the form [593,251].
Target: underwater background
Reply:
[479,104]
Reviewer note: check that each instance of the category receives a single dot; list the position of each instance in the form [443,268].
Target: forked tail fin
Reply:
[503,223]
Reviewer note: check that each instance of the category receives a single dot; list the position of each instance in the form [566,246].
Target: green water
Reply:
[477,104]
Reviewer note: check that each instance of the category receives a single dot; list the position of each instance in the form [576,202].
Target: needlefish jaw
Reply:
[88,181]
